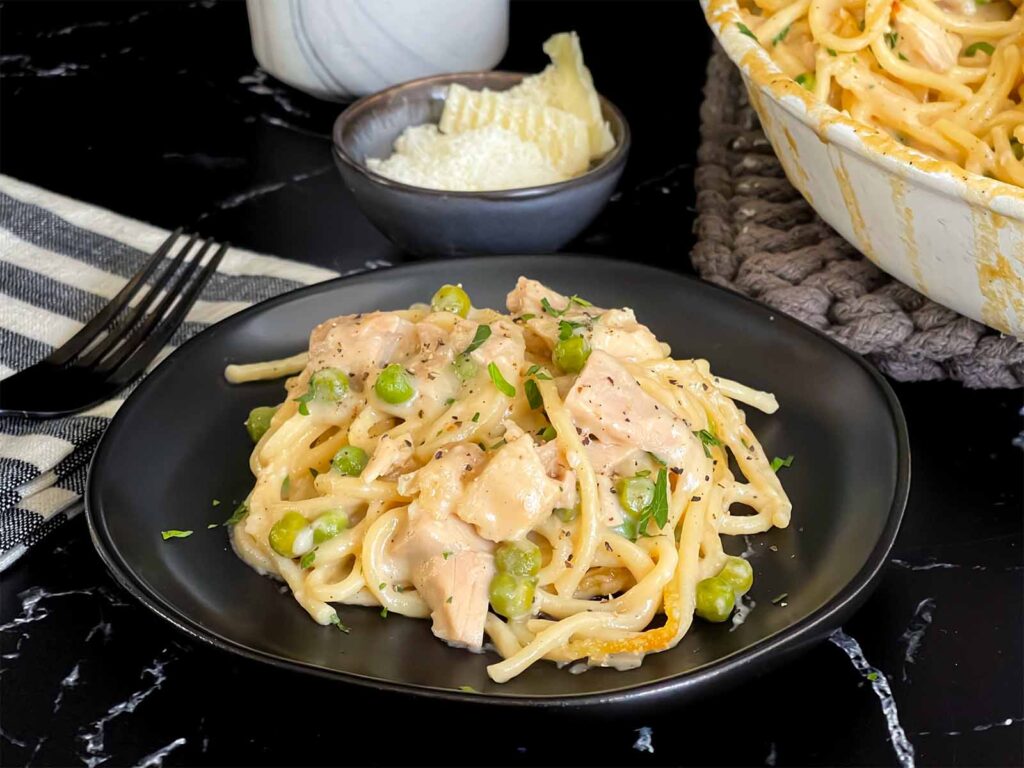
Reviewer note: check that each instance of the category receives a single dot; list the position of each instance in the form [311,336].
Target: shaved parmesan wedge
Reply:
[561,136]
[567,85]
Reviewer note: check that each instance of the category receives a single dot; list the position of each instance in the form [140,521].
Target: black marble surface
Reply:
[158,111]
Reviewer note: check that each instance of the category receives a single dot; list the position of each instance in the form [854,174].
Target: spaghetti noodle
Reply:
[550,478]
[942,76]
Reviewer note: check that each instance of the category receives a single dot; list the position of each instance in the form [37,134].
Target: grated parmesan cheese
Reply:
[486,158]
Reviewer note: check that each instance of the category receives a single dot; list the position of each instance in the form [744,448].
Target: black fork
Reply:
[120,341]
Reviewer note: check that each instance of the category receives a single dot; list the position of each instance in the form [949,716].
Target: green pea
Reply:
[715,599]
[328,385]
[512,596]
[259,421]
[567,514]
[350,460]
[394,385]
[329,525]
[285,532]
[520,558]
[571,354]
[465,367]
[636,493]
[738,574]
[451,298]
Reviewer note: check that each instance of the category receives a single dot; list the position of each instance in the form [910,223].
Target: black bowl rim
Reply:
[726,670]
[606,165]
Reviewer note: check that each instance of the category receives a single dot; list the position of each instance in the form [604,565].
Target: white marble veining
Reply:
[914,634]
[156,759]
[643,740]
[70,681]
[93,735]
[880,685]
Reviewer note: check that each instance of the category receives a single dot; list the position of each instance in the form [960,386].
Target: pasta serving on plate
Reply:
[942,76]
[550,479]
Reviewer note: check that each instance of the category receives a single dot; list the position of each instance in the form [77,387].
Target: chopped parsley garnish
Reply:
[566,328]
[240,511]
[902,57]
[548,433]
[707,438]
[468,689]
[781,36]
[483,333]
[745,30]
[213,525]
[382,585]
[173,534]
[476,417]
[831,52]
[779,598]
[449,599]
[778,463]
[497,445]
[499,381]
[216,502]
[872,676]
[449,401]
[384,612]
[643,473]
[551,310]
[538,372]
[307,559]
[574,299]
[336,621]
[533,394]
[973,48]
[527,316]
[658,508]
[807,80]
[286,485]
[892,39]
[446,554]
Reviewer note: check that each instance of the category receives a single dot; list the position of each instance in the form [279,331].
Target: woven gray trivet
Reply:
[758,236]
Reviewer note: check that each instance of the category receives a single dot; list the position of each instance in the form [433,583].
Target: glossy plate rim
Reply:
[724,671]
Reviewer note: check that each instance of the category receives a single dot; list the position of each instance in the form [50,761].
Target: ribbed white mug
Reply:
[342,49]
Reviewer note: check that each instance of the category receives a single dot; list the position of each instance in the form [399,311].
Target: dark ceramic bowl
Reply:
[430,222]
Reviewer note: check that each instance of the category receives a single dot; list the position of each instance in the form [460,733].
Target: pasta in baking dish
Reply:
[550,479]
[942,76]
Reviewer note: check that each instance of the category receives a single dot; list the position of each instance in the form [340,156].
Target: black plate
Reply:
[178,443]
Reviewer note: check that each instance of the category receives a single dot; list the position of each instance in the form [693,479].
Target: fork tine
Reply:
[116,334]
[138,334]
[159,338]
[91,330]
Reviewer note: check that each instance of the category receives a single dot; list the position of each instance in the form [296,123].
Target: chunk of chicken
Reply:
[615,331]
[391,453]
[962,7]
[457,591]
[441,483]
[511,495]
[357,345]
[924,42]
[557,469]
[618,333]
[451,568]
[607,401]
[505,346]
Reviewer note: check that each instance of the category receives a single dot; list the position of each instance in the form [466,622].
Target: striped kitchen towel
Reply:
[61,260]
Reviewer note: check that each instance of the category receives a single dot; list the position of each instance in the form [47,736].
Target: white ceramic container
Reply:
[342,49]
[954,236]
